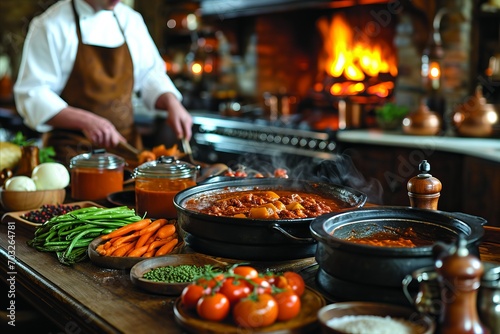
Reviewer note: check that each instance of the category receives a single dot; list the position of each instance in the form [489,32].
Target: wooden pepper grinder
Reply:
[424,189]
[459,275]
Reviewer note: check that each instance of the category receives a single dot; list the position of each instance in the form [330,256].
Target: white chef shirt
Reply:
[50,50]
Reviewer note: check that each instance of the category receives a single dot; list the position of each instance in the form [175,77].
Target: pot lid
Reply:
[165,167]
[98,158]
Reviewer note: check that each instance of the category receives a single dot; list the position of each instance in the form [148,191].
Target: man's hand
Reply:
[179,119]
[97,129]
[102,132]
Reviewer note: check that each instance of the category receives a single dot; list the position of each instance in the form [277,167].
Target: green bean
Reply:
[69,235]
[79,236]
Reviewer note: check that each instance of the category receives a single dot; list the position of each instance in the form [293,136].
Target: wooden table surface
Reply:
[92,299]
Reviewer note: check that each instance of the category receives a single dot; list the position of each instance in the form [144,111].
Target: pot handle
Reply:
[278,228]
[406,283]
[466,217]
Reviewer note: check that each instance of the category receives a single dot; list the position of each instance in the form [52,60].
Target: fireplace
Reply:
[337,63]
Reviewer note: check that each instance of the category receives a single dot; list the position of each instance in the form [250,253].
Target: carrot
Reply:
[167,248]
[100,249]
[153,226]
[124,230]
[143,239]
[138,252]
[166,231]
[149,254]
[124,239]
[157,243]
[123,249]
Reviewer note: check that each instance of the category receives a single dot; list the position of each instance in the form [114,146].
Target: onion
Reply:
[50,175]
[20,183]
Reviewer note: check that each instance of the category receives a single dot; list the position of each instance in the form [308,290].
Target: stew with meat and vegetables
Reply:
[264,204]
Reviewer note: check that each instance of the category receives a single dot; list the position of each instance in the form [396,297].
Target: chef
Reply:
[82,62]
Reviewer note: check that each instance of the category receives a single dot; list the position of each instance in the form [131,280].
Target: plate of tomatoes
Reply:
[243,298]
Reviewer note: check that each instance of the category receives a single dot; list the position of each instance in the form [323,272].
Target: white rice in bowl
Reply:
[371,324]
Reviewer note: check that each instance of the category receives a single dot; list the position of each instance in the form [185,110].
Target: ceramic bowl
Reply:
[333,313]
[29,200]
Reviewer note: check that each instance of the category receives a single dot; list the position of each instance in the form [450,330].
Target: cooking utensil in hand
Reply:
[186,147]
[129,147]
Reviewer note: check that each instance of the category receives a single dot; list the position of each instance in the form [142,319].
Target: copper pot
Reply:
[475,117]
[422,122]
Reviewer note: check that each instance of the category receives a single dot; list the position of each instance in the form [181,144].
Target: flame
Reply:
[355,59]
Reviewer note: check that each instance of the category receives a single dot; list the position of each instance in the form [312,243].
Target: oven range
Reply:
[228,139]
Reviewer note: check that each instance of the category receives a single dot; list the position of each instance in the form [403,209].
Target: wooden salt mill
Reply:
[424,189]
[459,275]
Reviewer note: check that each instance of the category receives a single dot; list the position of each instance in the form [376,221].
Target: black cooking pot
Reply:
[255,239]
[368,272]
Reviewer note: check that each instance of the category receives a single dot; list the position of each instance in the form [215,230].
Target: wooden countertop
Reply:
[93,299]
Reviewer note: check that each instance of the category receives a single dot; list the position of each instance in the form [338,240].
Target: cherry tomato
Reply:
[288,305]
[295,281]
[270,277]
[235,289]
[246,271]
[263,285]
[210,282]
[240,173]
[280,173]
[191,294]
[213,307]
[281,282]
[256,312]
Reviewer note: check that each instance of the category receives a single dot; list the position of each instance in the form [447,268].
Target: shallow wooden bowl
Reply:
[137,272]
[338,310]
[29,200]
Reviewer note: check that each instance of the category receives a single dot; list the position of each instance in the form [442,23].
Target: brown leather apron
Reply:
[101,81]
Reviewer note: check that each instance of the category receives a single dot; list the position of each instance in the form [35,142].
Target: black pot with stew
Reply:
[365,254]
[234,219]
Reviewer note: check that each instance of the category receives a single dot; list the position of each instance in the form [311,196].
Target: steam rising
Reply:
[340,171]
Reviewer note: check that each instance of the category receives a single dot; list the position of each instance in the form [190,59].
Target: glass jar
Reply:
[96,175]
[157,182]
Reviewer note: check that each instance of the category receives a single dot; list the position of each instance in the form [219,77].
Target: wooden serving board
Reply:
[16,216]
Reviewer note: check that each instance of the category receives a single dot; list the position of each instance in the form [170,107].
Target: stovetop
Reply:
[262,136]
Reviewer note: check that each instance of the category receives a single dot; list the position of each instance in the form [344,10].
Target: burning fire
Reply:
[358,62]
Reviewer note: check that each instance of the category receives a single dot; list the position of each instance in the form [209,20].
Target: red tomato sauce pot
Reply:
[375,271]
[255,239]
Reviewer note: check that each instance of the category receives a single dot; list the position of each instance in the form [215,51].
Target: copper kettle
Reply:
[475,117]
[422,121]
